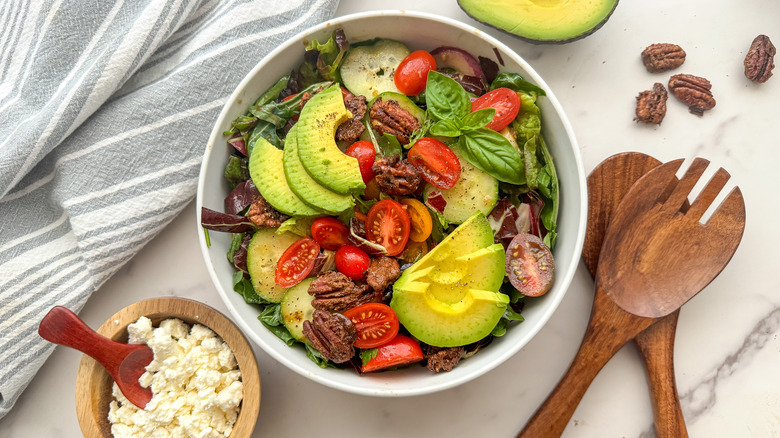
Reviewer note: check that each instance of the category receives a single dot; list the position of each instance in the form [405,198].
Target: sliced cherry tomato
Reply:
[411,75]
[402,350]
[329,232]
[366,154]
[529,265]
[506,102]
[289,97]
[413,251]
[372,190]
[296,262]
[388,225]
[376,324]
[436,162]
[360,215]
[352,262]
[419,218]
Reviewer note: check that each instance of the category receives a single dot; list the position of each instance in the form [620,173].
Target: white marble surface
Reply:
[727,350]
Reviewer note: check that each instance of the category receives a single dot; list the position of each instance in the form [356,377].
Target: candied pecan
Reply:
[662,57]
[396,177]
[350,130]
[334,291]
[382,272]
[693,91]
[440,359]
[332,334]
[262,214]
[388,117]
[759,60]
[305,97]
[651,104]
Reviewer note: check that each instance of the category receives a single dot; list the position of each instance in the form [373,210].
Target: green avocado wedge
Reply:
[317,148]
[304,186]
[542,21]
[265,168]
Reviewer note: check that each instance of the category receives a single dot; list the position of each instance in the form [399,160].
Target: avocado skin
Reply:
[536,40]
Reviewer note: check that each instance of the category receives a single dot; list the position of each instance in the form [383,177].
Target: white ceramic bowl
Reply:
[419,31]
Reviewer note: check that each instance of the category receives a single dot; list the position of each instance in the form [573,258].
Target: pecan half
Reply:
[350,130]
[759,60]
[651,105]
[693,91]
[334,291]
[440,359]
[332,334]
[388,117]
[662,57]
[382,272]
[262,214]
[395,176]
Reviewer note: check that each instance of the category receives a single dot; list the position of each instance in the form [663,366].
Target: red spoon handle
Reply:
[62,326]
[608,330]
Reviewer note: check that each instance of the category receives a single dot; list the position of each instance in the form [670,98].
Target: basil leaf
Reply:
[445,98]
[389,144]
[317,358]
[446,128]
[515,82]
[478,119]
[492,153]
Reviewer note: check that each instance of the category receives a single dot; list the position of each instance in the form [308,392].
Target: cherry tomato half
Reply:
[529,265]
[387,224]
[364,152]
[296,262]
[419,219]
[402,350]
[436,162]
[376,324]
[411,75]
[352,262]
[506,102]
[329,232]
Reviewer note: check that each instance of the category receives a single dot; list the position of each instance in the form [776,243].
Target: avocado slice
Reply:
[317,148]
[303,185]
[542,21]
[265,168]
[450,297]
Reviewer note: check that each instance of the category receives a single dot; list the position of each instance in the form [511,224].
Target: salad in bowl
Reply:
[390,204]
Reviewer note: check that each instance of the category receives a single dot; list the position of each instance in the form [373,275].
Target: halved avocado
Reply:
[542,21]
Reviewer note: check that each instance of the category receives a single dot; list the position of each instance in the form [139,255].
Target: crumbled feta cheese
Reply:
[195,381]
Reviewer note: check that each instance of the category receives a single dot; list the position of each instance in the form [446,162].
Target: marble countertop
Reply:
[727,347]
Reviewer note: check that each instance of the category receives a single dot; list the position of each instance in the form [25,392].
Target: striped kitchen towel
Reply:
[105,110]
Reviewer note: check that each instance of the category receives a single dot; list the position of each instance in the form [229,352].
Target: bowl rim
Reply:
[92,376]
[564,281]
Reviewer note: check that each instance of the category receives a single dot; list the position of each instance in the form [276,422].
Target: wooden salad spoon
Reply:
[608,183]
[653,260]
[124,362]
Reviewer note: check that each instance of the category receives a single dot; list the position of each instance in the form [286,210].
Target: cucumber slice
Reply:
[296,307]
[475,190]
[264,250]
[368,70]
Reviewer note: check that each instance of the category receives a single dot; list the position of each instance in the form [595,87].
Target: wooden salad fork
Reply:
[655,257]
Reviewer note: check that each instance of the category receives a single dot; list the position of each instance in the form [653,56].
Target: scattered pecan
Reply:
[332,334]
[350,130]
[388,117]
[396,177]
[651,105]
[382,272]
[334,291]
[693,91]
[440,359]
[662,57]
[759,61]
[262,214]
[305,97]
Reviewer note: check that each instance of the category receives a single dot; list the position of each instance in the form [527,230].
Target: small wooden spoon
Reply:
[608,183]
[653,260]
[124,362]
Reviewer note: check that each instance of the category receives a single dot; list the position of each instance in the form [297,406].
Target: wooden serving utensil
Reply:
[124,362]
[608,183]
[653,260]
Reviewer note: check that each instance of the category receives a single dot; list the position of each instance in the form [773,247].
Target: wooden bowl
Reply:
[93,384]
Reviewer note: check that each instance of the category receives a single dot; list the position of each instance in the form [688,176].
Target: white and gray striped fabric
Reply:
[105,110]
